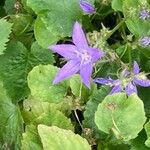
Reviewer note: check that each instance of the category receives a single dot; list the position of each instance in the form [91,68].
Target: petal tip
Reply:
[102,53]
[77,24]
[51,47]
[54,82]
[88,85]
[136,68]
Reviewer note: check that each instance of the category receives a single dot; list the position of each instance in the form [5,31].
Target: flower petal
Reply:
[142,82]
[66,71]
[144,41]
[116,89]
[65,50]
[108,81]
[136,68]
[78,36]
[87,7]
[95,53]
[86,72]
[104,81]
[130,88]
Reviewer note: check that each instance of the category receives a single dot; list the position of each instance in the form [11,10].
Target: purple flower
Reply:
[144,14]
[144,41]
[87,7]
[138,79]
[116,84]
[128,83]
[80,57]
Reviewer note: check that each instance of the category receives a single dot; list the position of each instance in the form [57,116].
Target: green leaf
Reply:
[117,5]
[40,83]
[21,23]
[66,106]
[118,147]
[138,143]
[31,139]
[147,129]
[45,36]
[10,6]
[22,28]
[5,30]
[58,139]
[54,118]
[11,123]
[45,113]
[79,89]
[114,114]
[16,63]
[111,68]
[145,51]
[144,94]
[28,9]
[50,25]
[91,107]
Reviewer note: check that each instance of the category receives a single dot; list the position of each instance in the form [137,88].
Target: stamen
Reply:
[84,56]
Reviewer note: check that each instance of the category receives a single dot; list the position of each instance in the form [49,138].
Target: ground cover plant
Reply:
[74,75]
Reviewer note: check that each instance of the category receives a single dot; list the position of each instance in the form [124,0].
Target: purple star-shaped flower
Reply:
[80,57]
[144,14]
[87,7]
[144,41]
[136,79]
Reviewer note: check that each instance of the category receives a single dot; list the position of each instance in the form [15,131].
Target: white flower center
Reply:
[84,56]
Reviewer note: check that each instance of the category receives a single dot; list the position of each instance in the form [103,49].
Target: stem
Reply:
[115,29]
[80,93]
[5,17]
[123,33]
[99,147]
[98,9]
[130,57]
[76,115]
[126,47]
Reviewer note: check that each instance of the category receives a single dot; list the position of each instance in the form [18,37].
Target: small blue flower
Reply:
[144,14]
[144,41]
[80,57]
[130,87]
[87,7]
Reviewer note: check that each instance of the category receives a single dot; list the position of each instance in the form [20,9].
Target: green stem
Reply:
[98,9]
[76,115]
[130,57]
[80,93]
[99,147]
[126,47]
[123,33]
[115,29]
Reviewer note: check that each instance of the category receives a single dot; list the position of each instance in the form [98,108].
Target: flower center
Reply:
[144,14]
[84,56]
